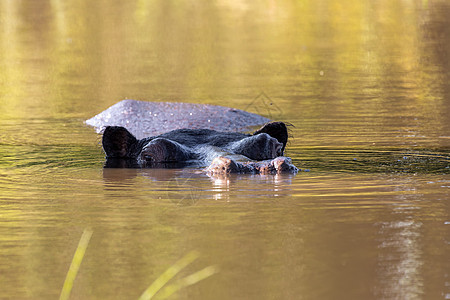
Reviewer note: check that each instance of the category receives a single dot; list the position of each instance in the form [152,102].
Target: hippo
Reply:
[221,152]
[146,118]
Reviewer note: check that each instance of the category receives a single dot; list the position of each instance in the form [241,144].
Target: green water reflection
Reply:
[365,84]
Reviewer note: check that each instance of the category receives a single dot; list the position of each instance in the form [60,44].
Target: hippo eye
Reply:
[147,157]
[280,151]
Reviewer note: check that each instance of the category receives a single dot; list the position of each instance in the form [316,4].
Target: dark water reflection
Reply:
[365,84]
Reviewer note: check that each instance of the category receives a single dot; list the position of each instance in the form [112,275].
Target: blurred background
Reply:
[365,83]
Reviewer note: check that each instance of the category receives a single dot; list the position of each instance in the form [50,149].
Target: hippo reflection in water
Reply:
[227,152]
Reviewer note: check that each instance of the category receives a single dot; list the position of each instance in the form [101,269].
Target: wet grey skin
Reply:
[227,152]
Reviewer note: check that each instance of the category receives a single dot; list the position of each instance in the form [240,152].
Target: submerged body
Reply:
[224,152]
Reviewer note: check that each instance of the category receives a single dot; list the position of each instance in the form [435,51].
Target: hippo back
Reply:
[144,119]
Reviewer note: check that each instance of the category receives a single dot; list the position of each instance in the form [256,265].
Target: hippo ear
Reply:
[118,142]
[276,130]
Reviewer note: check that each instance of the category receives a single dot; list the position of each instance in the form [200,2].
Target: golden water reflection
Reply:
[366,85]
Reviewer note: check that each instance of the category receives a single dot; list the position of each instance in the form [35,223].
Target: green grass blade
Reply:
[187,281]
[169,274]
[75,265]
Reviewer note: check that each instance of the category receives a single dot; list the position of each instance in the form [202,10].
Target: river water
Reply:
[365,84]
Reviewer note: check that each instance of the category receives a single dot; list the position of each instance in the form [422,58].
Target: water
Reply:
[366,85]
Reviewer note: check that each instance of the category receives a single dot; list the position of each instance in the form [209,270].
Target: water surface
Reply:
[364,84]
